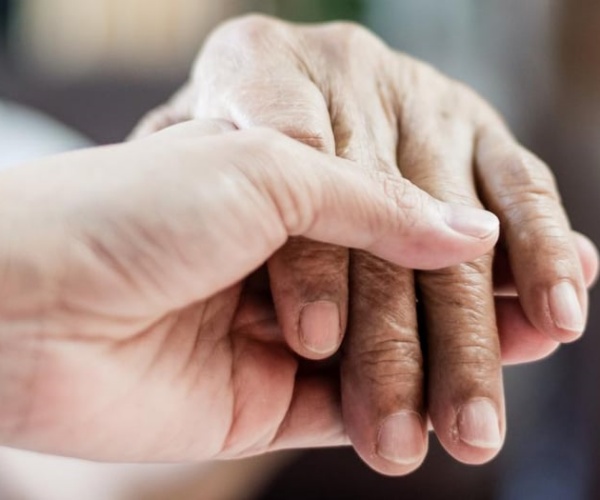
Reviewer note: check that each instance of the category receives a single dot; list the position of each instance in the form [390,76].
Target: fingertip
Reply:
[472,222]
[309,288]
[476,435]
[320,329]
[589,256]
[520,341]
[402,441]
[471,455]
[543,349]
[396,446]
[465,234]
[478,426]
[566,311]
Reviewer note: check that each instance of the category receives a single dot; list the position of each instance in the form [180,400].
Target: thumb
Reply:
[331,200]
[253,189]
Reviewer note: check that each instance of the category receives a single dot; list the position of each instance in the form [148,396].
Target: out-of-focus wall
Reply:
[157,39]
[131,38]
[502,48]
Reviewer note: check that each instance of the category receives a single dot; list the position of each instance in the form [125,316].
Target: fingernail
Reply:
[478,425]
[320,329]
[471,221]
[565,307]
[401,439]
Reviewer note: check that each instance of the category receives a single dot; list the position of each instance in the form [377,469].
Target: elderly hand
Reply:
[340,89]
[128,329]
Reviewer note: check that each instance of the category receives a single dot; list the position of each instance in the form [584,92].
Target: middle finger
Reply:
[382,363]
[465,390]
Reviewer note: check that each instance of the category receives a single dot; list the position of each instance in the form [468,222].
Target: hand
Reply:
[128,329]
[340,89]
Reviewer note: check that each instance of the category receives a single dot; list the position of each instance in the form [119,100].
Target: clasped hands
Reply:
[159,298]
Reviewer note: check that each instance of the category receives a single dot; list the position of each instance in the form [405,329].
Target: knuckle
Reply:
[479,354]
[465,288]
[542,243]
[420,82]
[453,104]
[382,290]
[450,103]
[307,261]
[344,38]
[530,204]
[294,106]
[525,178]
[535,225]
[250,30]
[346,29]
[530,223]
[472,104]
[391,361]
[460,278]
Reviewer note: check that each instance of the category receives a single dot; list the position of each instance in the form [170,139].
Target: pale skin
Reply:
[339,89]
[133,326]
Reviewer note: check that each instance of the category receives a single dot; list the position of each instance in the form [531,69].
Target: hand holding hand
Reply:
[128,328]
[339,89]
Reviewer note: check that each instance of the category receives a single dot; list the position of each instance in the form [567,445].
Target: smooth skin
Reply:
[133,326]
[340,89]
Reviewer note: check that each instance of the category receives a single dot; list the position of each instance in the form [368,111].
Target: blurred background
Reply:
[98,65]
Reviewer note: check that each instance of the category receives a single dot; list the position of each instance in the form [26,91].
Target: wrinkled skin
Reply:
[132,324]
[339,89]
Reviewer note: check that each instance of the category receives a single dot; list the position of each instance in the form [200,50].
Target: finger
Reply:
[465,389]
[382,368]
[466,402]
[546,267]
[520,341]
[504,283]
[382,363]
[308,278]
[309,282]
[588,256]
[314,418]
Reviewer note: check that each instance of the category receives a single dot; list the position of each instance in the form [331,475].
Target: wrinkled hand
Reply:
[128,329]
[340,89]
